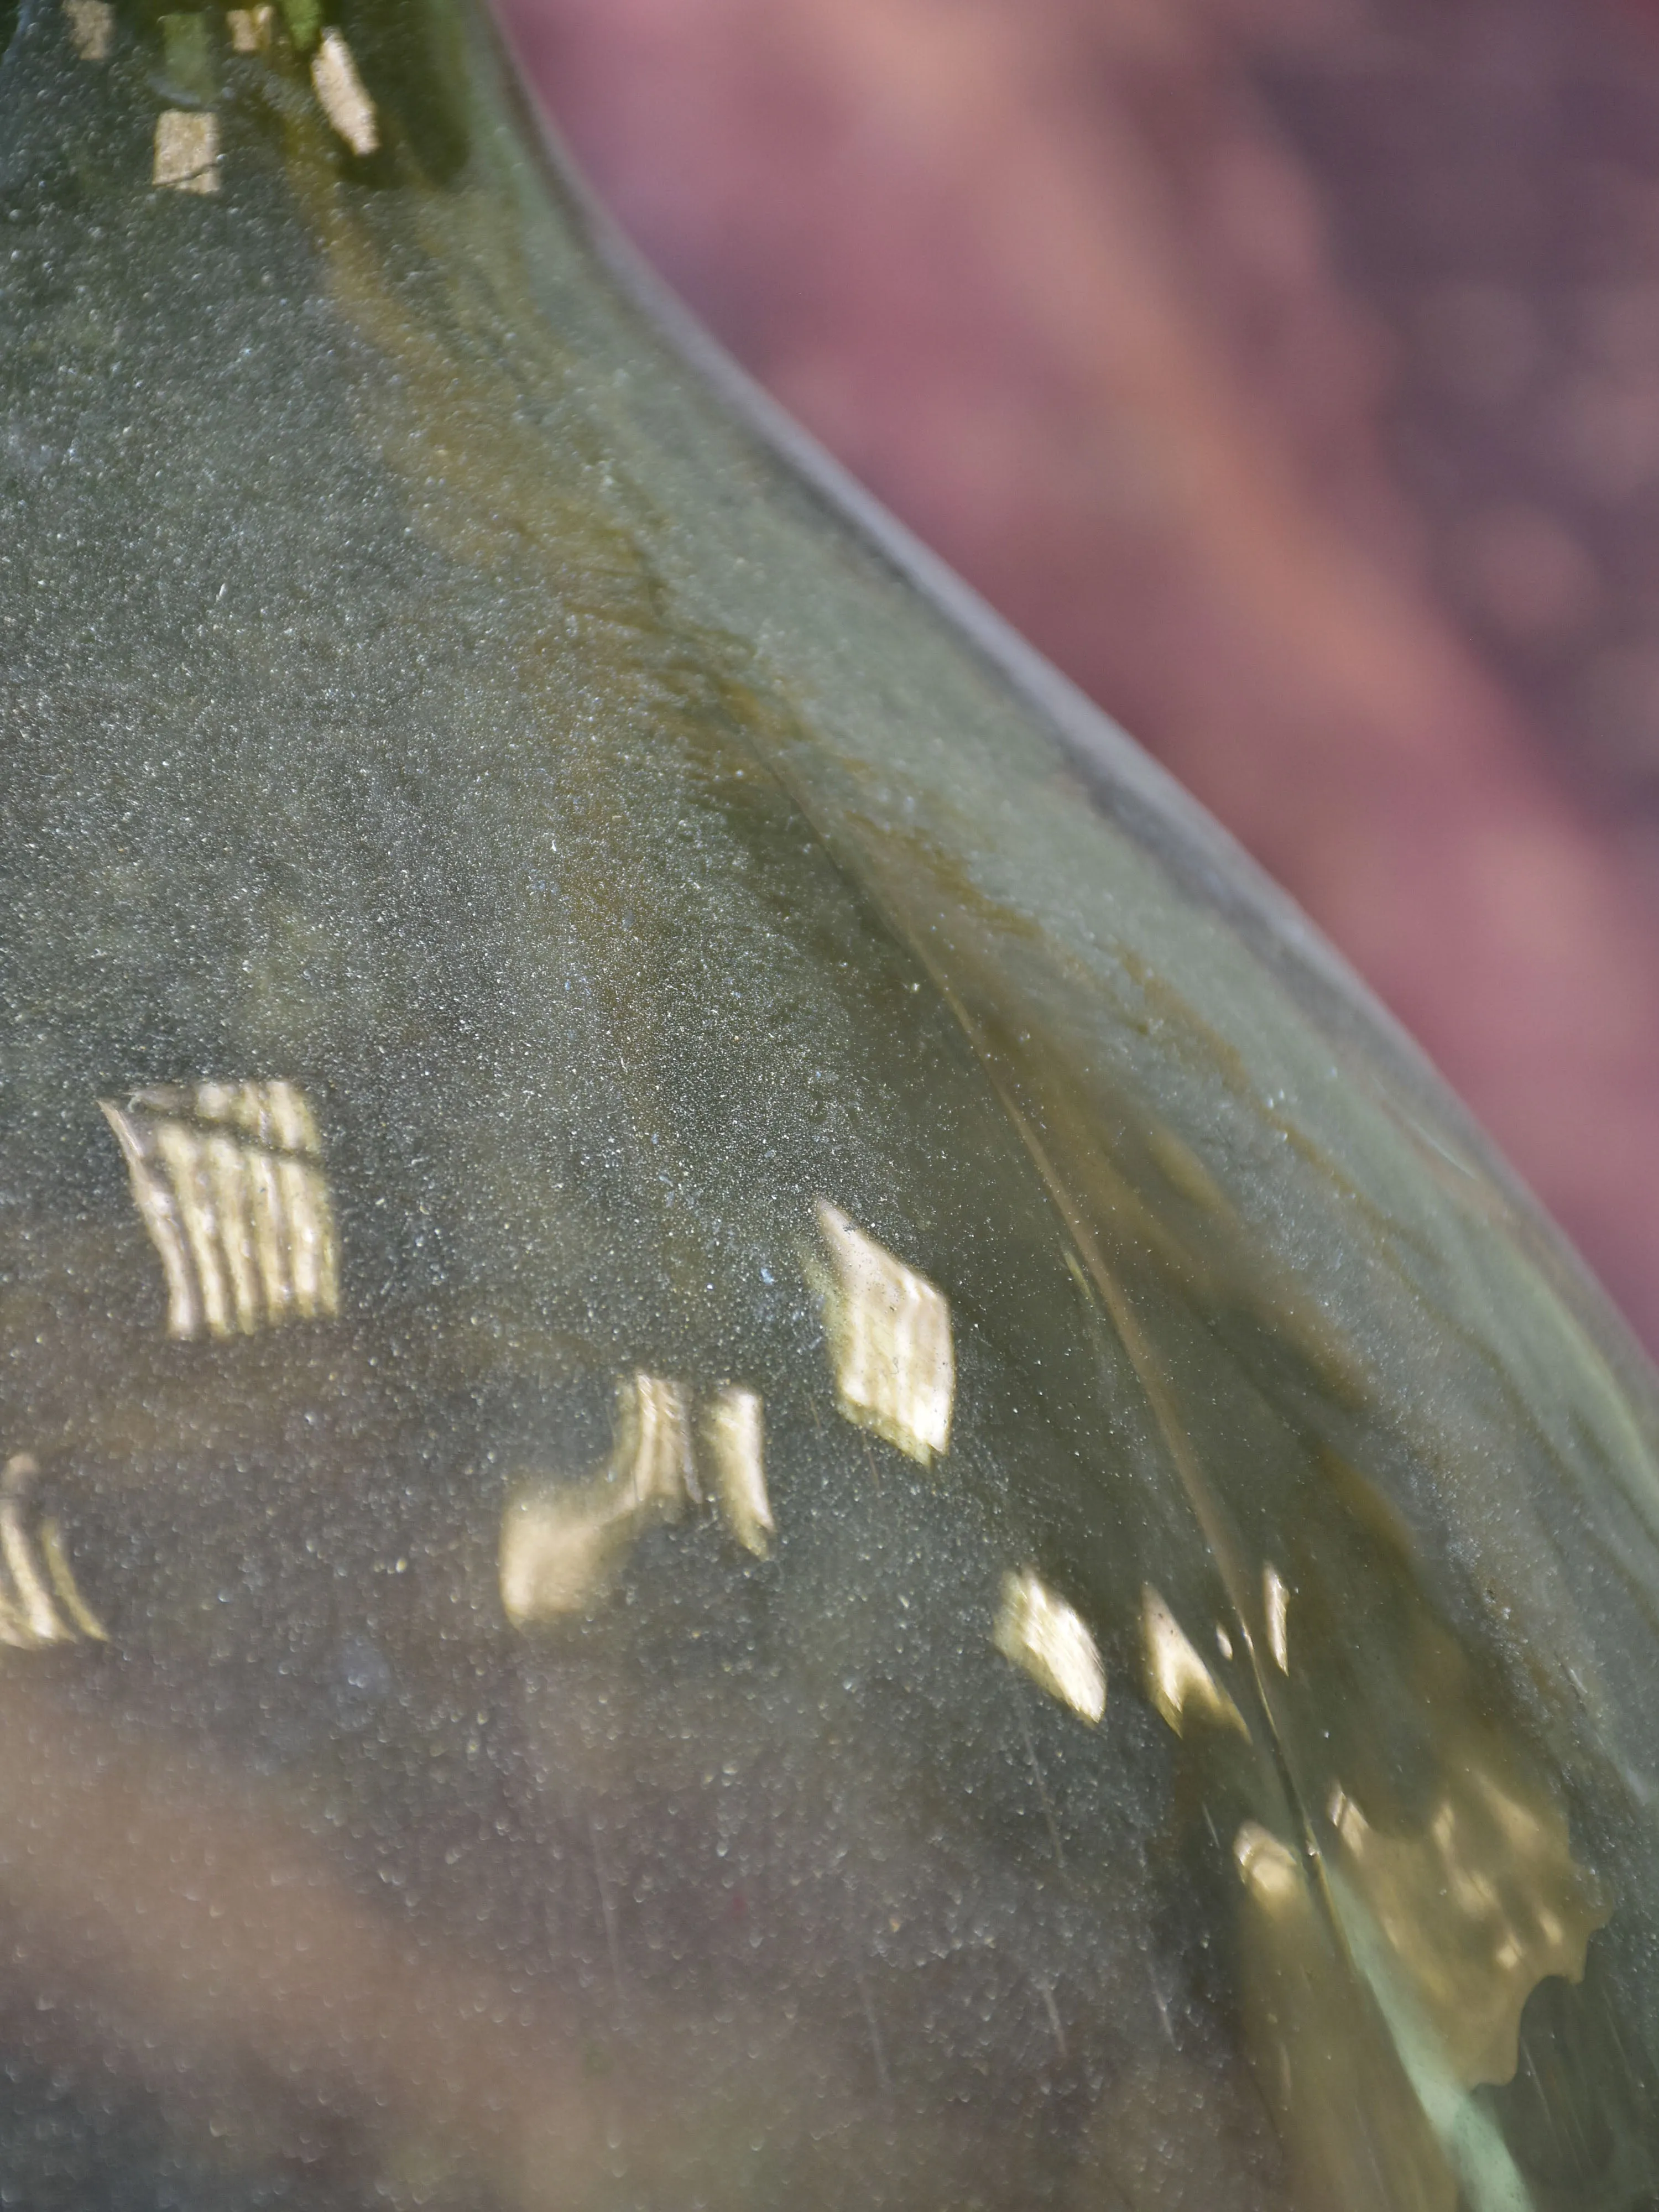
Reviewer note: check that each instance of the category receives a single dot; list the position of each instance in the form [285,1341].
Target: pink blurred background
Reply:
[1288,370]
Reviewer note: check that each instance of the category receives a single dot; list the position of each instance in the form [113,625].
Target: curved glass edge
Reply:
[1154,809]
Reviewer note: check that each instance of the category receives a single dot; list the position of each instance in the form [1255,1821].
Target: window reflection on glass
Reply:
[1276,1604]
[225,1177]
[1178,1682]
[1048,1640]
[731,1435]
[890,1334]
[340,93]
[563,1543]
[40,1602]
[91,28]
[251,28]
[186,151]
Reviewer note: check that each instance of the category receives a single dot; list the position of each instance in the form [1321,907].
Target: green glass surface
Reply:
[758,1449]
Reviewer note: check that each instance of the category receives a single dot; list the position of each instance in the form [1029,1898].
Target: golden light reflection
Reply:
[40,1603]
[1178,1682]
[1269,1869]
[226,1180]
[91,28]
[1048,1639]
[1276,1604]
[562,1544]
[251,28]
[1475,1909]
[340,94]
[732,1439]
[889,1337]
[653,1456]
[186,150]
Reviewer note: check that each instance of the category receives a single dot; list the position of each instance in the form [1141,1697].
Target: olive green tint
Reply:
[753,1448]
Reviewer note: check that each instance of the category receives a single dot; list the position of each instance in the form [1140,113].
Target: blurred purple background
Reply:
[1288,370]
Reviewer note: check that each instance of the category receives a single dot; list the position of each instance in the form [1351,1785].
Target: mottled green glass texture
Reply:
[754,1448]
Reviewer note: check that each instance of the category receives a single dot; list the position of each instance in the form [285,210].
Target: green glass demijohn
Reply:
[756,1449]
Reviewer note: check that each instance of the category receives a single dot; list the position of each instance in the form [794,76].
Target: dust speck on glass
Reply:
[754,1448]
